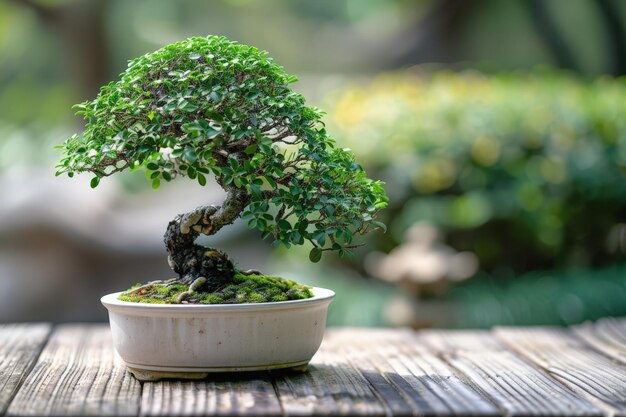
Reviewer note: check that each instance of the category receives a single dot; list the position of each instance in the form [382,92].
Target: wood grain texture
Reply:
[570,360]
[331,386]
[451,341]
[20,345]
[357,372]
[224,395]
[78,374]
[369,372]
[606,335]
[518,388]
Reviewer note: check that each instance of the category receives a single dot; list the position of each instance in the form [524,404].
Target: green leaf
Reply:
[297,238]
[190,155]
[192,127]
[320,237]
[251,149]
[171,106]
[380,224]
[94,182]
[186,106]
[156,183]
[211,131]
[201,179]
[215,96]
[315,255]
[284,224]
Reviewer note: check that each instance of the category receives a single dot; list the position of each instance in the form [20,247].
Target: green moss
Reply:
[153,294]
[245,289]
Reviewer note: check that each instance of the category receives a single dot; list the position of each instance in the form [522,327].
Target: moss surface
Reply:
[245,289]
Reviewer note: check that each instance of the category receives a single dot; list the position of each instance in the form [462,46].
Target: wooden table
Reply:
[72,370]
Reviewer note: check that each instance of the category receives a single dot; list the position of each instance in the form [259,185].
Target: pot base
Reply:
[157,373]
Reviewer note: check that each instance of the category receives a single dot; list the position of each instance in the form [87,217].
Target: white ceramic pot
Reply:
[167,339]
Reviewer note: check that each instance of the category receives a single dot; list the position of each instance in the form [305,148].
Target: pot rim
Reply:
[320,295]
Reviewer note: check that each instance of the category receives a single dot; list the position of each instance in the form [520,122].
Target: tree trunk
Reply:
[192,261]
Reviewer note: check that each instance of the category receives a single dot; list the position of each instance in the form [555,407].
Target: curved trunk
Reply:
[206,268]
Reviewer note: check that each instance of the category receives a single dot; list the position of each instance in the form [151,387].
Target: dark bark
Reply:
[192,261]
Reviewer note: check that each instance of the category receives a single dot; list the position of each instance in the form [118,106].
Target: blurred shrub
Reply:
[525,170]
[541,298]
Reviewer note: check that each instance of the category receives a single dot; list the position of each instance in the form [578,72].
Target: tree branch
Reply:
[236,200]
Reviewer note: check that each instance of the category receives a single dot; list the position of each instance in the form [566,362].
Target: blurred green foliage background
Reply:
[524,169]
[499,128]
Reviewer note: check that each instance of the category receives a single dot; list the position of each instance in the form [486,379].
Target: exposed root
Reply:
[248,272]
[151,284]
[195,286]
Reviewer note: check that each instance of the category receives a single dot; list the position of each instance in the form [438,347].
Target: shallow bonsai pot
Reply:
[191,340]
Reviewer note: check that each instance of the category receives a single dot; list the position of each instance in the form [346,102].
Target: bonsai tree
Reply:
[209,106]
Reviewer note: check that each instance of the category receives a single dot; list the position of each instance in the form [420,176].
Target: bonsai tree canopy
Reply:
[211,106]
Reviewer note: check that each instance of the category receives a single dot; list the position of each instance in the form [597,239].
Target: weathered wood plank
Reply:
[567,358]
[428,385]
[606,335]
[518,388]
[364,372]
[330,387]
[20,345]
[385,368]
[224,395]
[451,341]
[333,386]
[78,374]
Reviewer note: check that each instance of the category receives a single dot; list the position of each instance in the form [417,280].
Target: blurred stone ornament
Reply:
[423,258]
[424,266]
